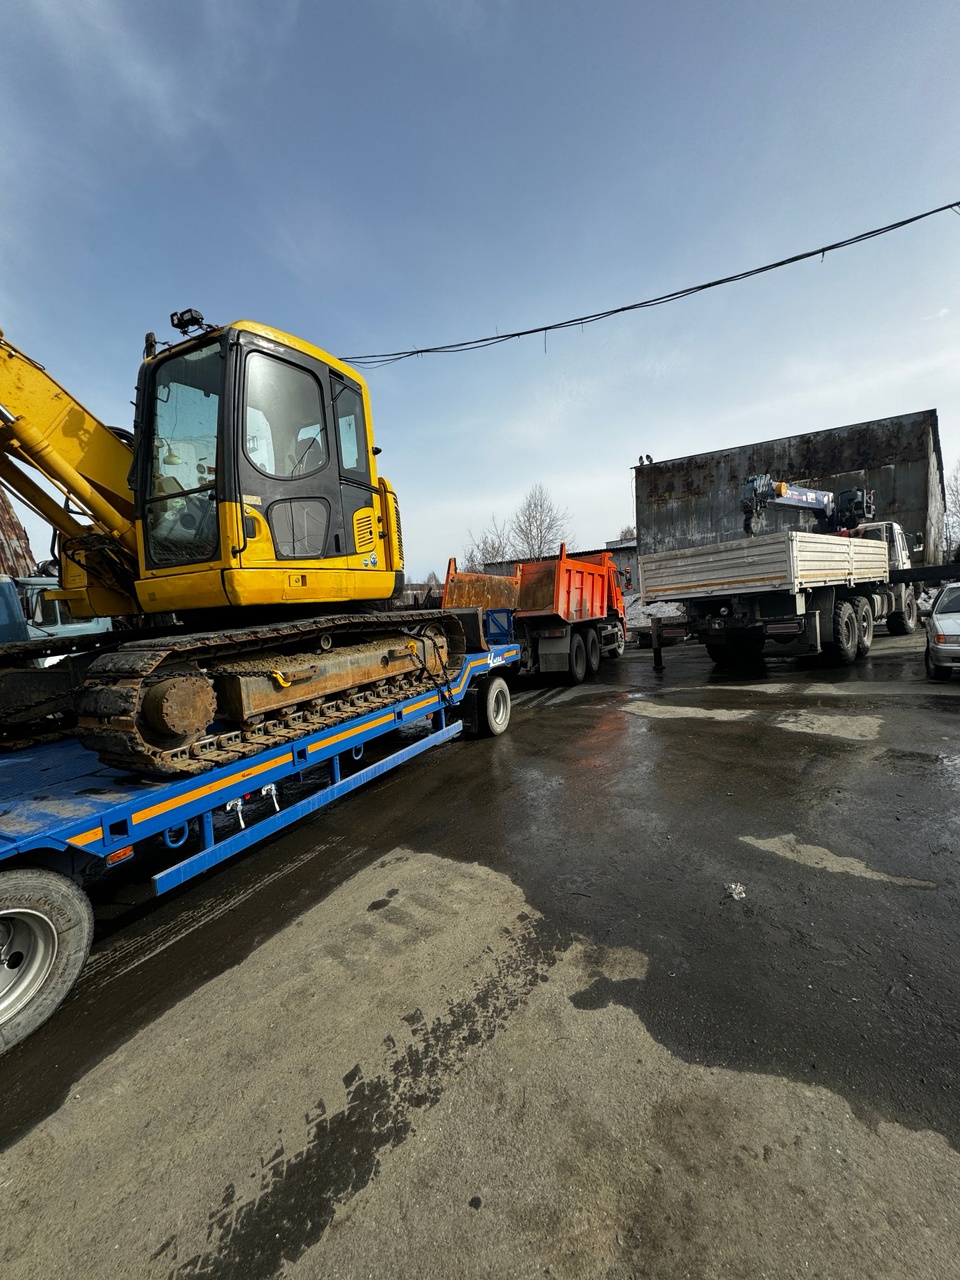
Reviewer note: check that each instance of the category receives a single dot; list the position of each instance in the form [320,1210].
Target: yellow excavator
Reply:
[241,539]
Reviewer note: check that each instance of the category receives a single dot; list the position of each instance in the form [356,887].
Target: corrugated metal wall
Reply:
[687,502]
[15,555]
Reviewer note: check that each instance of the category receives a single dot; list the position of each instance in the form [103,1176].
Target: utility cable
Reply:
[475,344]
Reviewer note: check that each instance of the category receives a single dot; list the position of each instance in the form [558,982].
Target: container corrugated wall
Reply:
[16,558]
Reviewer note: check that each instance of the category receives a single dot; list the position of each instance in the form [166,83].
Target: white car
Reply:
[942,653]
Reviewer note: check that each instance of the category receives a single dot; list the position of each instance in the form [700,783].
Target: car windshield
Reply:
[949,602]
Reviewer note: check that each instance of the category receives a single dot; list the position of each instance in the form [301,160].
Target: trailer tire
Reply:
[864,615]
[46,927]
[494,708]
[934,672]
[904,621]
[578,658]
[592,644]
[843,648]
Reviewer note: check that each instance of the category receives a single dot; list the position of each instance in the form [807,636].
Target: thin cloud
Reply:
[114,63]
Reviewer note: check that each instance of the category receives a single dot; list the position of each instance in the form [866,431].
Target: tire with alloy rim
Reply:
[578,658]
[904,621]
[46,927]
[592,644]
[845,634]
[933,671]
[864,616]
[494,708]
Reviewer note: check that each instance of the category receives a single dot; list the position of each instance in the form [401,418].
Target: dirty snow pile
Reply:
[639,614]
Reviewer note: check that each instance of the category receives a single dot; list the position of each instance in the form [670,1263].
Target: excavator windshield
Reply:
[180,507]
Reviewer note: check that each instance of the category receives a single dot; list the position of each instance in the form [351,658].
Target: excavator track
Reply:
[184,705]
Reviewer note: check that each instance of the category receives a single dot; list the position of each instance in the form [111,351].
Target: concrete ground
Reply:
[663,983]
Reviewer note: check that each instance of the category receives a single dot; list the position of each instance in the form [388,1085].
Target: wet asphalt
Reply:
[779,846]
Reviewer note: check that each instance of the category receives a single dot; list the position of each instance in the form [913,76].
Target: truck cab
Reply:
[45,616]
[13,628]
[898,543]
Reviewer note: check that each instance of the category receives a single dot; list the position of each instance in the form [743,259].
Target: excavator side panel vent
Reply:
[363,531]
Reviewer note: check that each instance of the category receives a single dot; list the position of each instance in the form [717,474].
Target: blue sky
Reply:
[383,174]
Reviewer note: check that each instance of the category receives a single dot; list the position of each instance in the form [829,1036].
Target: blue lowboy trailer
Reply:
[66,820]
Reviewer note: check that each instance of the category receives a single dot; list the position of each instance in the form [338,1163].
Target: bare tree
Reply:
[538,526]
[490,546]
[951,514]
[628,531]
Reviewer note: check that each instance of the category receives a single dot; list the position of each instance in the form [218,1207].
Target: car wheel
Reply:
[933,671]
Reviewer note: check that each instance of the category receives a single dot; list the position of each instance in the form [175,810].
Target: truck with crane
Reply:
[816,593]
[247,554]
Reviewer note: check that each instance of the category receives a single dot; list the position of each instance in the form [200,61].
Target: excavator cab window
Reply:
[180,509]
[353,447]
[285,431]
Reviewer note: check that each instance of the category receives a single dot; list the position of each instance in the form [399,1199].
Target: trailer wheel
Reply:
[494,708]
[578,659]
[592,644]
[864,616]
[904,621]
[845,634]
[46,927]
[933,671]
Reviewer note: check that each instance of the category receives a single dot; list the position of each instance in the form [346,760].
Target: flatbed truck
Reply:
[67,820]
[813,591]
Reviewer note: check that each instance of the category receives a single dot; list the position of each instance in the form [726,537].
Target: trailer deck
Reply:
[58,801]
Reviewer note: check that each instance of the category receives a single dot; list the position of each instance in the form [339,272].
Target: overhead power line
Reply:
[474,344]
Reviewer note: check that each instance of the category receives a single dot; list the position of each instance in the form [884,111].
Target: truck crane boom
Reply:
[846,510]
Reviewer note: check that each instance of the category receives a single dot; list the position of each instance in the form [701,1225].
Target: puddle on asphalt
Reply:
[812,855]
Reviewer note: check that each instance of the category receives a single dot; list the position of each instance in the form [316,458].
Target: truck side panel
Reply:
[788,561]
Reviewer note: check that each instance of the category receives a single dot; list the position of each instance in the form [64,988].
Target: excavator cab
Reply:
[255,480]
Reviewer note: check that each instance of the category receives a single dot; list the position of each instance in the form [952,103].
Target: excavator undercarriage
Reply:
[180,705]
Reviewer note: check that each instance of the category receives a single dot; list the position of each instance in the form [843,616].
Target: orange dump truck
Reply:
[567,612]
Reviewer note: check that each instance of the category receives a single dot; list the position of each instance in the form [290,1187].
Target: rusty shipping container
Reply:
[688,502]
[16,558]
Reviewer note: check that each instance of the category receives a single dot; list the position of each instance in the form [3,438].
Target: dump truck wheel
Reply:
[578,659]
[46,927]
[621,643]
[494,708]
[864,616]
[592,644]
[904,621]
[845,633]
